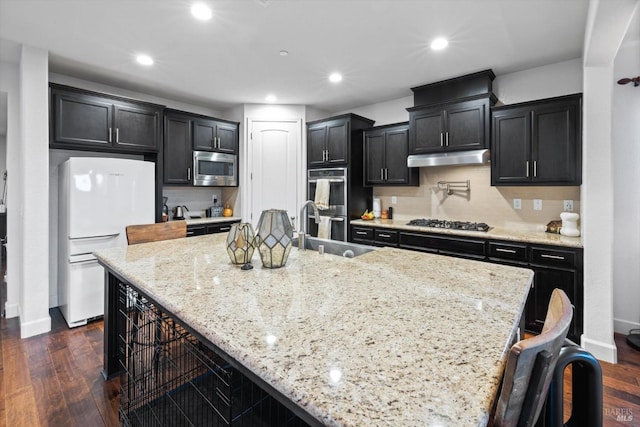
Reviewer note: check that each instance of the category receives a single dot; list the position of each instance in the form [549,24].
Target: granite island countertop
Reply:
[392,337]
[518,234]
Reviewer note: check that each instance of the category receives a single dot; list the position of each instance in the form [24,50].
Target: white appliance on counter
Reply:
[98,198]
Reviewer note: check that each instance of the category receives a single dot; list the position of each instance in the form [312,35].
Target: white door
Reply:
[275,148]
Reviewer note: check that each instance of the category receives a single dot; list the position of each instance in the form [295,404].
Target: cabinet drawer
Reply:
[362,233]
[508,251]
[195,230]
[218,228]
[386,237]
[456,246]
[416,242]
[553,257]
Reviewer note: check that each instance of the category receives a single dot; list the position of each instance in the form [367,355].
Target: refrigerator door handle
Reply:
[103,236]
[82,258]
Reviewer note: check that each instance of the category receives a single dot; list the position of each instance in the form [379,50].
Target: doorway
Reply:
[275,167]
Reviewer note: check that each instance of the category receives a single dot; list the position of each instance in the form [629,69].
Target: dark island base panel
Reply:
[171,376]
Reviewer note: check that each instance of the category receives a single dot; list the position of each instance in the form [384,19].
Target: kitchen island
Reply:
[391,337]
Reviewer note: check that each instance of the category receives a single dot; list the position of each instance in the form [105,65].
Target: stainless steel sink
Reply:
[335,247]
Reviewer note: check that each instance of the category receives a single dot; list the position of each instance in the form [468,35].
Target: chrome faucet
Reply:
[302,231]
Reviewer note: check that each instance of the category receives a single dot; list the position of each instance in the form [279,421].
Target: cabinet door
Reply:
[466,125]
[374,157]
[396,152]
[555,146]
[427,134]
[81,120]
[136,127]
[204,134]
[511,147]
[316,145]
[338,142]
[227,137]
[545,281]
[177,150]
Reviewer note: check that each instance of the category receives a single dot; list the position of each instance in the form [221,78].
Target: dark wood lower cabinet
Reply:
[553,266]
[211,228]
[544,282]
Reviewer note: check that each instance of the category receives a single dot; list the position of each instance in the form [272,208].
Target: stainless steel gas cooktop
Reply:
[454,225]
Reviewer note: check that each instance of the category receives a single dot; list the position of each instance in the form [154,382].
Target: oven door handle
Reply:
[338,180]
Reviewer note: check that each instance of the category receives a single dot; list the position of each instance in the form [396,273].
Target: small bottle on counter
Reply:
[390,212]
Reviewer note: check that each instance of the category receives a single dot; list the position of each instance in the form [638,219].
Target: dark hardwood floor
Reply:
[54,379]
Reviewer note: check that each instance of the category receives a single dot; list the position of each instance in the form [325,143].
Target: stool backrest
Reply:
[530,366]
[144,233]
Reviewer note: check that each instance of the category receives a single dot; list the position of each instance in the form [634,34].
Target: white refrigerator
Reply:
[98,197]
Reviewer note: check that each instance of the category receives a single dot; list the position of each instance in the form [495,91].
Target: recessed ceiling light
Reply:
[284,53]
[201,11]
[271,98]
[439,43]
[144,60]
[335,78]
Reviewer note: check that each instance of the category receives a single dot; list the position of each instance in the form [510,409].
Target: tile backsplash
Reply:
[483,203]
[197,199]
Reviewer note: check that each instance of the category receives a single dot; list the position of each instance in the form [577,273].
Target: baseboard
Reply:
[622,326]
[35,327]
[11,310]
[600,350]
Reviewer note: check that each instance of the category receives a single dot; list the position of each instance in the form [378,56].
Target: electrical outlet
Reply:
[537,204]
[517,203]
[567,205]
[394,200]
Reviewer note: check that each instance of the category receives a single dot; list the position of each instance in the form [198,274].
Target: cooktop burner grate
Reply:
[454,225]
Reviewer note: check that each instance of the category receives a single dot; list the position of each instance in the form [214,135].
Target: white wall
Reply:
[605,31]
[3,159]
[562,78]
[384,113]
[626,197]
[10,84]
[33,159]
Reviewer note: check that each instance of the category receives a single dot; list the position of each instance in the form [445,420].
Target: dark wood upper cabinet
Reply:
[186,132]
[333,142]
[537,143]
[327,143]
[451,127]
[137,127]
[87,120]
[385,156]
[215,135]
[177,149]
[452,115]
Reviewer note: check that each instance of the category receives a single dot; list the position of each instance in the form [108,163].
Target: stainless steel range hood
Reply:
[454,158]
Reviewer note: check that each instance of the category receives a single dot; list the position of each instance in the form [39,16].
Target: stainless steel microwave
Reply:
[215,169]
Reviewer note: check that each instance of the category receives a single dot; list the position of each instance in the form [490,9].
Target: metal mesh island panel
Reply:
[170,378]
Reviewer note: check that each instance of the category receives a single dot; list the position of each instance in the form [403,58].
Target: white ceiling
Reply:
[380,46]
